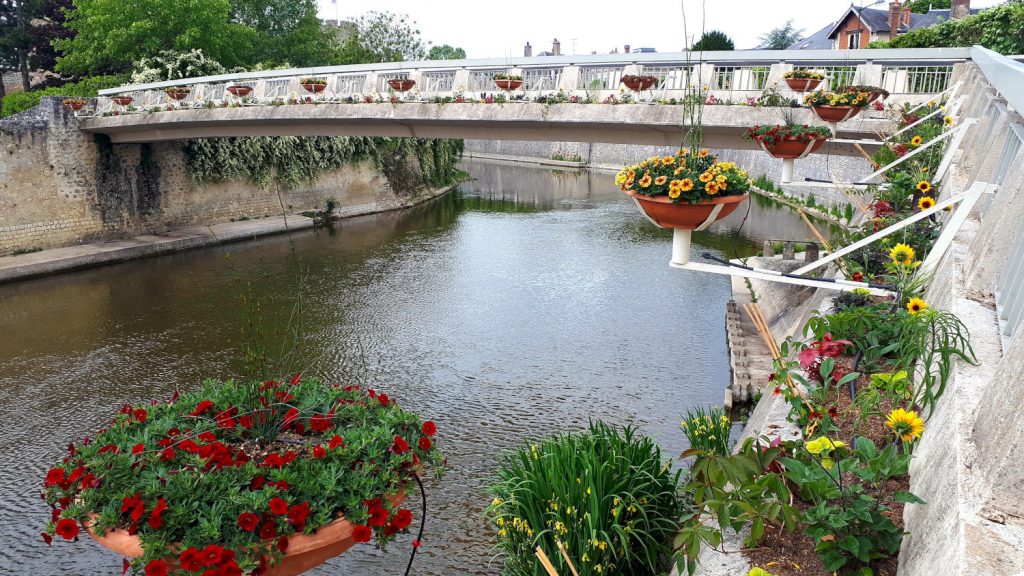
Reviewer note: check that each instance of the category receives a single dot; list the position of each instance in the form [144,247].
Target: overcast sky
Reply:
[496,28]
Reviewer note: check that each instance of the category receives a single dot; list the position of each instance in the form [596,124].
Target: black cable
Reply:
[423,522]
[853,383]
[710,256]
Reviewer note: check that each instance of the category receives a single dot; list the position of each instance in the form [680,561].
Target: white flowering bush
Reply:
[175,65]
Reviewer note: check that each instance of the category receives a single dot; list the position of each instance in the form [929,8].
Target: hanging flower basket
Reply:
[401,84]
[314,85]
[638,83]
[836,114]
[240,90]
[260,459]
[178,92]
[873,92]
[508,84]
[802,84]
[789,141]
[123,100]
[74,104]
[687,191]
[837,106]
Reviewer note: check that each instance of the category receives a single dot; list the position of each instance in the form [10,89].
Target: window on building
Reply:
[853,40]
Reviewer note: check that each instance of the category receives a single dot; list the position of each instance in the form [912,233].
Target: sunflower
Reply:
[905,424]
[660,180]
[925,202]
[900,254]
[707,177]
[924,186]
[645,182]
[916,305]
[711,188]
[948,120]
[674,192]
[668,160]
[916,141]
[686,185]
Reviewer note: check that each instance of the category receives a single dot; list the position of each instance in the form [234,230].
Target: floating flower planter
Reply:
[123,100]
[240,90]
[837,107]
[314,85]
[508,82]
[74,104]
[401,84]
[178,93]
[639,83]
[258,460]
[803,80]
[789,141]
[686,192]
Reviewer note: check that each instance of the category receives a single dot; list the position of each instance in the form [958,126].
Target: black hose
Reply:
[423,522]
[853,383]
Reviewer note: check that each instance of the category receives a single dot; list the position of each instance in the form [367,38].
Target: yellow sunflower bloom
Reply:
[916,305]
[660,180]
[924,186]
[902,254]
[707,177]
[916,141]
[645,182]
[711,188]
[905,424]
[668,160]
[948,120]
[686,185]
[925,202]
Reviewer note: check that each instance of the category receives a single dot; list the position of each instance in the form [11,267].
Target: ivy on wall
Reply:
[295,160]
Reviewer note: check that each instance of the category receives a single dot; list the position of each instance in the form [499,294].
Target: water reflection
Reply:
[523,305]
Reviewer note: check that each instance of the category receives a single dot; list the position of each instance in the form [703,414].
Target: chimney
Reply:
[906,14]
[527,50]
[556,48]
[895,18]
[625,49]
[961,9]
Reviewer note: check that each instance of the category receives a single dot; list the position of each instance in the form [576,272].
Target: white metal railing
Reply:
[599,78]
[916,79]
[534,77]
[1010,283]
[741,78]
[670,77]
[438,81]
[483,80]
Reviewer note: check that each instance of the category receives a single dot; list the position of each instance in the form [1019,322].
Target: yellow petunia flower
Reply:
[925,202]
[905,424]
[703,152]
[902,254]
[674,193]
[645,182]
[679,170]
[916,305]
[711,188]
[668,160]
[660,180]
[686,185]
[707,177]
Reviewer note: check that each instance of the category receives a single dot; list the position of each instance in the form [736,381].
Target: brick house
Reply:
[859,26]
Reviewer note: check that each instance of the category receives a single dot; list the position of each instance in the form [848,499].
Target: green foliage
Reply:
[292,161]
[931,341]
[208,457]
[713,40]
[87,88]
[383,37]
[708,430]
[446,52]
[1000,28]
[782,37]
[174,65]
[923,6]
[605,494]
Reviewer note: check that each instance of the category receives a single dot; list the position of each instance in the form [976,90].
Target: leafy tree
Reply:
[383,37]
[175,65]
[782,37]
[446,52]
[112,34]
[922,6]
[998,28]
[48,26]
[16,41]
[713,40]
[287,31]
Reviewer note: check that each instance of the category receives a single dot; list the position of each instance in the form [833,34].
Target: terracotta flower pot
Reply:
[792,147]
[123,100]
[509,84]
[836,113]
[802,84]
[240,91]
[315,88]
[401,85]
[684,215]
[305,551]
[178,95]
[640,84]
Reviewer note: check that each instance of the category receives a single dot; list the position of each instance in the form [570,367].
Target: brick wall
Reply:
[59,186]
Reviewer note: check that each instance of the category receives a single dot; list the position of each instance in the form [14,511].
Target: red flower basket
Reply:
[508,85]
[240,91]
[401,84]
[791,147]
[123,100]
[639,83]
[315,88]
[802,84]
[76,106]
[836,113]
[180,95]
[661,210]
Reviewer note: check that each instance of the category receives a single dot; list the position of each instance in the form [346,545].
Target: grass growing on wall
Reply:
[295,160]
[86,88]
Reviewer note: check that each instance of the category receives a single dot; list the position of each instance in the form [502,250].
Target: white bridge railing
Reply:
[909,74]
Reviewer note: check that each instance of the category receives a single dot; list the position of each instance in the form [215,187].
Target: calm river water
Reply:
[524,304]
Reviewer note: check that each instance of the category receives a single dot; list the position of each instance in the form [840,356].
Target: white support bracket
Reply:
[951,228]
[774,276]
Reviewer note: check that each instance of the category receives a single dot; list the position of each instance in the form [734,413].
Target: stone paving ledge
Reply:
[24,266]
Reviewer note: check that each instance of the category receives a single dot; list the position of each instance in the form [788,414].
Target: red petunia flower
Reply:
[67,528]
[319,452]
[156,567]
[257,483]
[211,555]
[424,443]
[167,454]
[207,437]
[383,399]
[362,533]
[273,461]
[155,520]
[47,538]
[140,414]
[416,543]
[400,446]
[857,277]
[282,544]
[429,428]
[335,442]
[320,423]
[297,515]
[402,519]
[202,407]
[191,560]
[378,516]
[245,421]
[268,530]
[278,506]
[282,485]
[54,476]
[138,448]
[248,521]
